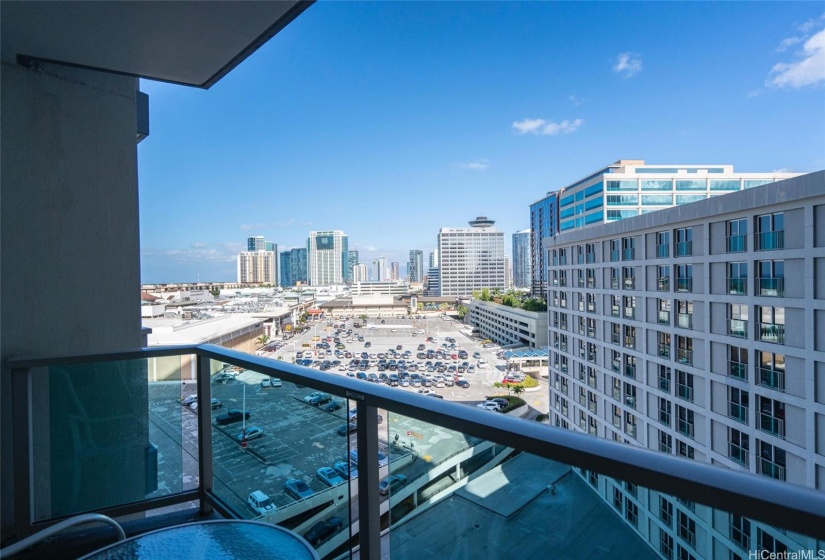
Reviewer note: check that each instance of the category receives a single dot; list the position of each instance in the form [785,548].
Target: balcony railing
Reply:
[628,254]
[769,240]
[614,310]
[771,287]
[770,424]
[664,384]
[684,392]
[616,365]
[738,412]
[630,371]
[684,320]
[617,422]
[110,416]
[738,286]
[630,430]
[630,341]
[771,332]
[771,469]
[663,284]
[771,378]
[592,407]
[737,243]
[738,370]
[683,248]
[617,394]
[664,317]
[738,328]
[664,350]
[630,283]
[614,283]
[614,255]
[684,284]
[684,356]
[662,251]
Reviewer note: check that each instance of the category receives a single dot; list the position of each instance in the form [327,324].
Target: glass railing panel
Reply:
[283,453]
[771,287]
[111,434]
[737,286]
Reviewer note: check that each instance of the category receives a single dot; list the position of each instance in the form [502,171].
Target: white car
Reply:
[261,503]
[482,364]
[488,405]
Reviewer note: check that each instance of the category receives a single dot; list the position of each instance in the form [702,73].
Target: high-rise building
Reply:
[433,260]
[625,189]
[257,243]
[327,257]
[521,259]
[433,283]
[395,271]
[415,267]
[379,269]
[471,258]
[257,267]
[270,246]
[360,273]
[692,331]
[293,266]
[352,261]
[508,273]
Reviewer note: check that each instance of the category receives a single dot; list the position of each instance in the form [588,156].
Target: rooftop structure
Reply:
[471,258]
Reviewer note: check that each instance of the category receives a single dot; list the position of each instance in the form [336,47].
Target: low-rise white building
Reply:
[507,325]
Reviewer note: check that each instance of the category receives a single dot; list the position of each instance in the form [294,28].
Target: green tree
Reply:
[215,292]
[518,389]
[485,294]
[509,300]
[263,339]
[462,311]
[476,294]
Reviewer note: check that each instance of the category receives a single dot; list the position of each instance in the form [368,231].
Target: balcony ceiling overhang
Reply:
[183,42]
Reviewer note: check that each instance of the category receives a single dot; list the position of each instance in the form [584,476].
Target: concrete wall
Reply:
[69,234]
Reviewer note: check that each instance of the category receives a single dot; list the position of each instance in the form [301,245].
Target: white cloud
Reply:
[787,43]
[196,253]
[574,100]
[628,64]
[808,70]
[754,93]
[249,227]
[781,170]
[480,165]
[811,24]
[547,128]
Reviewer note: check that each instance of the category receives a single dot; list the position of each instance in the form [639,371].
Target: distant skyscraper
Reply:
[352,260]
[521,259]
[298,265]
[379,269]
[415,268]
[286,270]
[433,259]
[327,257]
[395,271]
[257,243]
[471,258]
[508,273]
[360,273]
[256,267]
[543,224]
[270,246]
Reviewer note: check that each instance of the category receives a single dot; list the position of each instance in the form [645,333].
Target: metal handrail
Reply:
[742,493]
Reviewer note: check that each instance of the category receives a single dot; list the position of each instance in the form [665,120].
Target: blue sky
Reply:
[389,120]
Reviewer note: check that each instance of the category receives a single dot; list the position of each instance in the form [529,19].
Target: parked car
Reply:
[382,458]
[333,406]
[391,484]
[463,383]
[231,417]
[502,402]
[323,530]
[488,405]
[346,470]
[347,429]
[216,404]
[261,503]
[189,400]
[252,432]
[328,476]
[223,378]
[297,489]
[317,398]
[271,382]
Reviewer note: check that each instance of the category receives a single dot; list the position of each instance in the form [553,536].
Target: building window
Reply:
[617,499]
[738,320]
[770,278]
[684,314]
[684,385]
[614,250]
[631,512]
[614,278]
[737,235]
[683,449]
[591,278]
[616,362]
[630,424]
[663,306]
[591,325]
[579,254]
[563,278]
[664,411]
[686,528]
[738,278]
[630,366]
[665,544]
[666,511]
[683,242]
[562,256]
[628,248]
[771,416]
[590,252]
[769,233]
[629,277]
[663,344]
[684,350]
[740,531]
[770,370]
[738,447]
[662,244]
[630,307]
[664,379]
[738,363]
[684,277]
[579,278]
[771,327]
[771,460]
[738,404]
[629,336]
[630,395]
[663,278]
[615,333]
[771,544]
[665,442]
[591,302]
[615,307]
[684,424]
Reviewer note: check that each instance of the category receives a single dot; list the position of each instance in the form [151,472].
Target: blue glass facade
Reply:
[521,259]
[543,223]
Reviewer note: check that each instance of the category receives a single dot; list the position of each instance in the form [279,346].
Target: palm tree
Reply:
[518,389]
[263,339]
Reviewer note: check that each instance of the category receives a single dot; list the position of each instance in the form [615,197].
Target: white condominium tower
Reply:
[698,331]
[471,258]
[327,257]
